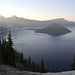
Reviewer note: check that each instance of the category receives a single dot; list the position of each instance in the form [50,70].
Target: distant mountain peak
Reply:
[61,19]
[58,20]
[2,16]
[14,16]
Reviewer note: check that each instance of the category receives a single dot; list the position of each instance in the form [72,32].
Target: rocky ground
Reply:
[8,70]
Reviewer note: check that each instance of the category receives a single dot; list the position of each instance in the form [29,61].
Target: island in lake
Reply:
[54,29]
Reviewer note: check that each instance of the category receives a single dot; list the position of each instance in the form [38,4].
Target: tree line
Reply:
[10,56]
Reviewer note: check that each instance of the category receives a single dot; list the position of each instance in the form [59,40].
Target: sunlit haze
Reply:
[39,9]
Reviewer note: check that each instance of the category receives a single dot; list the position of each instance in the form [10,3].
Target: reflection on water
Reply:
[57,51]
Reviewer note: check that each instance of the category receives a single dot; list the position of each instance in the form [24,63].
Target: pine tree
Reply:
[11,51]
[26,64]
[3,51]
[63,68]
[73,64]
[21,57]
[33,66]
[42,69]
[74,57]
[52,69]
[0,52]
[38,68]
[30,63]
[10,42]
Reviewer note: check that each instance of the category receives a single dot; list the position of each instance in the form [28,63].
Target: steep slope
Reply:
[54,29]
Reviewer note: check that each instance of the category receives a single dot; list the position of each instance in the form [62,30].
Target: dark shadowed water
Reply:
[57,51]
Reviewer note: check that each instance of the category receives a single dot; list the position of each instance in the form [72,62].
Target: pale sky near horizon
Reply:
[39,9]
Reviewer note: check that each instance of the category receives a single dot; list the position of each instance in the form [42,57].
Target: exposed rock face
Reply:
[54,29]
[8,70]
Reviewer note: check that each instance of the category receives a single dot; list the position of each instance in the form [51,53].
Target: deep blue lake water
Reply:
[57,51]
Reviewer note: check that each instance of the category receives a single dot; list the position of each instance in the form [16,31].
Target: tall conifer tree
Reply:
[11,51]
[42,66]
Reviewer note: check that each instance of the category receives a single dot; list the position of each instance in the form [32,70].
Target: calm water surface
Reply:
[57,51]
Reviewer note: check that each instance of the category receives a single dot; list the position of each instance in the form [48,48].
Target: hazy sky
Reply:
[39,9]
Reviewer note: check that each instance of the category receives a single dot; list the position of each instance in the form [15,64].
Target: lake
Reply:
[56,51]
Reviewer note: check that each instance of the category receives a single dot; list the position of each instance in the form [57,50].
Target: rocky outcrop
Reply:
[8,70]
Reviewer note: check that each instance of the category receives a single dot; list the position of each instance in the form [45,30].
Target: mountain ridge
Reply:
[19,22]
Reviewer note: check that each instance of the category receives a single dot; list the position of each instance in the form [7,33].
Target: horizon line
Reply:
[35,19]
